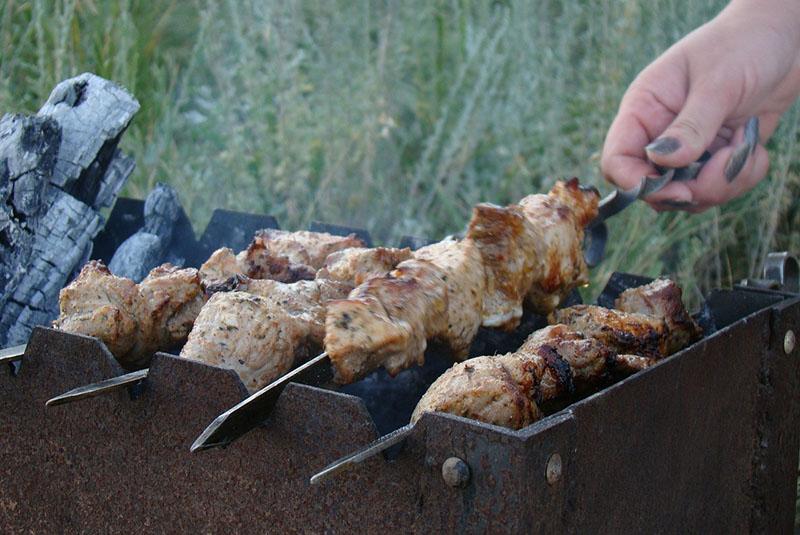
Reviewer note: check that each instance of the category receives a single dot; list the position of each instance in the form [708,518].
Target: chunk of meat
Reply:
[246,333]
[627,333]
[358,264]
[255,262]
[386,321]
[134,321]
[306,247]
[220,266]
[662,298]
[460,261]
[98,303]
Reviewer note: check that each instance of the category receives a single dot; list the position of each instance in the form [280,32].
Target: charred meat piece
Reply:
[358,264]
[506,390]
[662,298]
[625,332]
[134,321]
[255,262]
[387,321]
[460,261]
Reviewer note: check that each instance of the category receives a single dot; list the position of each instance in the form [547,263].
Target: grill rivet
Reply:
[455,472]
[553,470]
[789,342]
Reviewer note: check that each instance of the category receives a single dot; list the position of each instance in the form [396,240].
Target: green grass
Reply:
[395,116]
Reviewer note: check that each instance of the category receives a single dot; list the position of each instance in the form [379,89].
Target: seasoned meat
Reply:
[662,298]
[624,332]
[255,262]
[506,390]
[170,299]
[629,364]
[559,219]
[103,305]
[262,336]
[246,333]
[532,251]
[134,321]
[386,321]
[357,264]
[504,239]
[306,247]
[460,261]
[220,266]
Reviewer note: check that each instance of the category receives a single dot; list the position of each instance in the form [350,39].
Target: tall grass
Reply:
[396,116]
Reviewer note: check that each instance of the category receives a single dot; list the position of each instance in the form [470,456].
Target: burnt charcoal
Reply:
[57,169]
[151,245]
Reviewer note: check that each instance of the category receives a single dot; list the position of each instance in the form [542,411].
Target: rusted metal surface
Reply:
[706,441]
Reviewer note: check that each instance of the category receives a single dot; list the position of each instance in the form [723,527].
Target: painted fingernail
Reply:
[737,161]
[664,145]
[675,204]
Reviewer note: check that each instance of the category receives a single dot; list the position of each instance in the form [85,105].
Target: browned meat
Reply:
[633,333]
[461,264]
[507,390]
[662,298]
[246,333]
[306,247]
[255,262]
[532,251]
[503,237]
[357,264]
[220,266]
[103,305]
[559,219]
[386,321]
[263,327]
[134,321]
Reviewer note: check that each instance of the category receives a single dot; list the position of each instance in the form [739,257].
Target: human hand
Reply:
[698,96]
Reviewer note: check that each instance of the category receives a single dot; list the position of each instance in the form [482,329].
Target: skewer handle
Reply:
[252,411]
[101,387]
[383,443]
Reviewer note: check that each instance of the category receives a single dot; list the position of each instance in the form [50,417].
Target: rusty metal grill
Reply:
[707,440]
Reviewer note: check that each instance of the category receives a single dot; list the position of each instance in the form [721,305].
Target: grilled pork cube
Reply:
[255,262]
[559,219]
[357,264]
[662,298]
[263,327]
[506,390]
[504,239]
[386,321]
[626,333]
[220,266]
[98,303]
[306,247]
[170,299]
[461,263]
[134,321]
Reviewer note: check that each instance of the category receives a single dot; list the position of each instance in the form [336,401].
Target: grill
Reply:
[706,440]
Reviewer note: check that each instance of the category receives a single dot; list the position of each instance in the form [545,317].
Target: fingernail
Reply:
[737,161]
[677,204]
[664,145]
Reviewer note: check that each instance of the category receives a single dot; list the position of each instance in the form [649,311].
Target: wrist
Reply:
[783,16]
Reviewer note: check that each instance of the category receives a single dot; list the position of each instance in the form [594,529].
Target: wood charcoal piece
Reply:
[57,169]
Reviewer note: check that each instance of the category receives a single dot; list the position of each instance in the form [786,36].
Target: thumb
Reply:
[692,131]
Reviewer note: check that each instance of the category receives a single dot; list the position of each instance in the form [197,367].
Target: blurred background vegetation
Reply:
[395,116]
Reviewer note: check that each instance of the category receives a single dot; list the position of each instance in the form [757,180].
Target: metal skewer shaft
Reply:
[101,387]
[252,411]
[11,354]
[383,443]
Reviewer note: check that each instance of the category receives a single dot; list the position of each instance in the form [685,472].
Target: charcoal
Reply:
[57,169]
[151,245]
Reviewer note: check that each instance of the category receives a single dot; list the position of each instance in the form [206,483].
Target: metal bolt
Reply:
[789,341]
[553,470]
[455,472]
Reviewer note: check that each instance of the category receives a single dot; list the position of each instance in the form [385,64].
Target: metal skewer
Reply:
[252,411]
[12,354]
[101,387]
[383,443]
